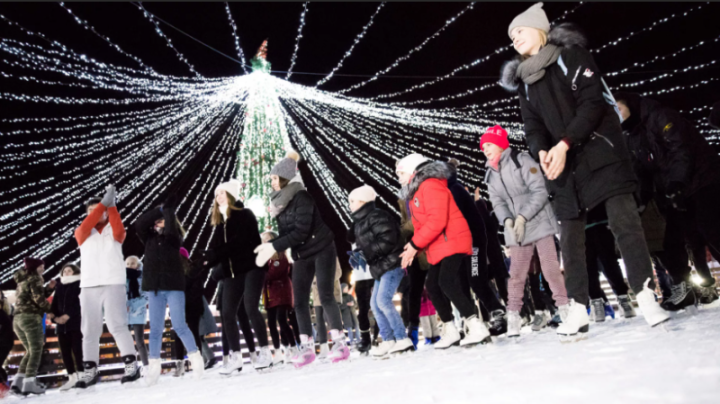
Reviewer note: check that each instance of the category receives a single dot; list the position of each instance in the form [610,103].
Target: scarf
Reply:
[279,200]
[223,211]
[65,280]
[133,285]
[533,69]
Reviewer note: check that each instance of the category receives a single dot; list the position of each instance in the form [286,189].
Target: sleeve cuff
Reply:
[415,246]
[567,141]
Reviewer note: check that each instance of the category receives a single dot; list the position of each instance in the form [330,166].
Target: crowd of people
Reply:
[603,170]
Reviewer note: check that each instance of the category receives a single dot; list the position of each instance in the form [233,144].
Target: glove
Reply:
[171,202]
[264,252]
[109,199]
[508,223]
[519,229]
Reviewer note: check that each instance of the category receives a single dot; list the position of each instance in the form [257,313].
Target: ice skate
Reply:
[153,373]
[540,320]
[382,350]
[279,356]
[513,324]
[324,352]
[179,369]
[340,350]
[234,363]
[682,297]
[264,360]
[89,377]
[31,386]
[576,326]
[16,387]
[498,323]
[609,311]
[706,294]
[449,336]
[413,335]
[132,370]
[72,380]
[404,345]
[305,355]
[475,332]
[597,309]
[626,307]
[365,344]
[653,313]
[197,364]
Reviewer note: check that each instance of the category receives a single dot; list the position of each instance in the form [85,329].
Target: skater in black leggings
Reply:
[232,246]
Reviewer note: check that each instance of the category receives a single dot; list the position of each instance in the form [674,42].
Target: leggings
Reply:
[246,288]
[520,265]
[320,327]
[71,345]
[445,285]
[417,284]
[139,335]
[363,290]
[279,314]
[247,332]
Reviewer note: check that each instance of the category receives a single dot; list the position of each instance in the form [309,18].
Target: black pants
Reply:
[70,343]
[625,224]
[4,352]
[600,254]
[279,314]
[497,269]
[417,278]
[445,284]
[476,270]
[674,256]
[294,324]
[323,266]
[320,325]
[363,291]
[245,288]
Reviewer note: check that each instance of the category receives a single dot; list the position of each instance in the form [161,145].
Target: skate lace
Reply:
[678,293]
[129,369]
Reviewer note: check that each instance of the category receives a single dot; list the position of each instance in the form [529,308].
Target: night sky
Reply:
[329,32]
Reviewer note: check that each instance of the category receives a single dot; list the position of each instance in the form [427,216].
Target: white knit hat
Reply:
[533,17]
[365,193]
[410,163]
[232,187]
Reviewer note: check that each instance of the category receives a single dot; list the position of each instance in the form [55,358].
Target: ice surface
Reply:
[621,360]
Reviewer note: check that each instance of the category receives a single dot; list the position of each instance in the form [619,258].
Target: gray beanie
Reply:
[285,168]
[533,17]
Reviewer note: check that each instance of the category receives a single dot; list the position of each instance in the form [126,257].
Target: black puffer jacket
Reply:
[67,301]
[466,204]
[162,269]
[301,228]
[377,233]
[667,148]
[234,242]
[570,101]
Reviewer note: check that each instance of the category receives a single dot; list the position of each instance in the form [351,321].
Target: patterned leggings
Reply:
[520,265]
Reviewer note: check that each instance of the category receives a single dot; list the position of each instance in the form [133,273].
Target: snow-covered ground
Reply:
[622,361]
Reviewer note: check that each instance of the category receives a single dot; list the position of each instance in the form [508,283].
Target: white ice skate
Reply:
[324,352]
[197,363]
[235,362]
[264,360]
[383,349]
[653,313]
[513,324]
[72,379]
[404,345]
[475,332]
[575,327]
[153,373]
[450,336]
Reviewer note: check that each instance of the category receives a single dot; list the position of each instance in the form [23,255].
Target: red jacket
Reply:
[440,227]
[278,286]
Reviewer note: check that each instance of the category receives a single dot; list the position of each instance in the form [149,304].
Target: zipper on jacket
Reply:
[232,273]
[604,138]
[506,190]
[574,86]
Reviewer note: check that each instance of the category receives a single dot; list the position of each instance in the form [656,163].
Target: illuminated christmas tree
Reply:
[264,140]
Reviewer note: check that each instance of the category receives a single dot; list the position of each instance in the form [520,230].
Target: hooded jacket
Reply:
[162,269]
[30,295]
[234,242]
[521,191]
[440,228]
[571,101]
[377,233]
[668,150]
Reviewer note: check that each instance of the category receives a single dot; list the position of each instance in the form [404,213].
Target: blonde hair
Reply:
[216,217]
[543,41]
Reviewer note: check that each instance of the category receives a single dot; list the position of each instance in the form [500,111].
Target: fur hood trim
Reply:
[435,169]
[564,35]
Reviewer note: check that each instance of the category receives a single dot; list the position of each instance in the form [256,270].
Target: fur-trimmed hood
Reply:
[430,169]
[563,35]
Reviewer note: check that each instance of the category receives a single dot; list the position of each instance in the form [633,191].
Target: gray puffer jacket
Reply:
[521,191]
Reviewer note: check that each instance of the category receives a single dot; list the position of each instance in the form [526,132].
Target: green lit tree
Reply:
[264,140]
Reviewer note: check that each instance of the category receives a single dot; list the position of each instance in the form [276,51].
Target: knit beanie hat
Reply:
[497,136]
[343,286]
[232,187]
[365,193]
[533,17]
[410,163]
[287,167]
[715,116]
[32,264]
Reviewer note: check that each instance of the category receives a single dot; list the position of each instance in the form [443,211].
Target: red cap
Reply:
[497,136]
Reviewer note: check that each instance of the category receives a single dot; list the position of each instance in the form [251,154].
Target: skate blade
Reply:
[456,343]
[234,372]
[484,341]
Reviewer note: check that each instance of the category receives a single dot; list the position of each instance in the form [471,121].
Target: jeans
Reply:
[387,317]
[625,224]
[157,301]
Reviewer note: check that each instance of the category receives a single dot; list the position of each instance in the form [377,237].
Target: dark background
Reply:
[329,32]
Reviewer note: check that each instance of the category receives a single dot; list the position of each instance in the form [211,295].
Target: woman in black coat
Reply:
[236,236]
[66,315]
[313,251]
[572,128]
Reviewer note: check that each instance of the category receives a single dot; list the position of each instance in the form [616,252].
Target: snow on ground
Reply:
[621,360]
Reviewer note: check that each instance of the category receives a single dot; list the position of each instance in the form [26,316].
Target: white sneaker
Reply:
[382,349]
[264,359]
[513,324]
[576,325]
[72,379]
[153,373]
[403,345]
[197,363]
[324,351]
[653,313]
[475,331]
[448,337]
[235,362]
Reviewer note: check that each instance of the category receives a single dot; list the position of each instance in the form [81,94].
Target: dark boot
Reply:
[365,343]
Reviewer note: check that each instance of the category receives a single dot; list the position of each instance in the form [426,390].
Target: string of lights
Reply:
[293,59]
[238,49]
